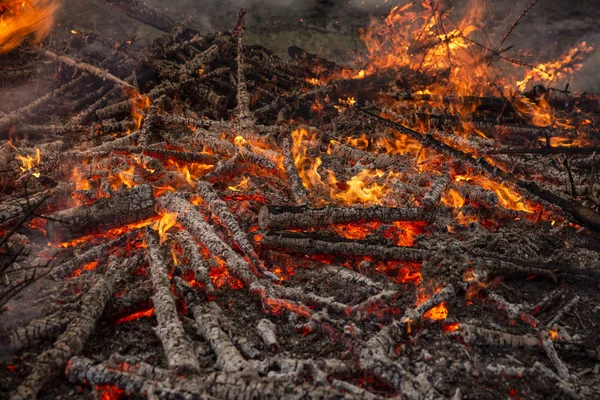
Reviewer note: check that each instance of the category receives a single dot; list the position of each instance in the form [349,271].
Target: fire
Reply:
[239,141]
[162,226]
[453,198]
[507,197]
[141,103]
[29,162]
[136,315]
[124,177]
[21,19]
[241,186]
[561,141]
[220,276]
[558,69]
[554,335]
[367,187]
[87,267]
[80,182]
[437,313]
[360,188]
[360,75]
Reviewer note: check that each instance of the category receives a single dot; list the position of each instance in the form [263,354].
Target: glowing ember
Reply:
[21,19]
[220,276]
[87,267]
[109,392]
[437,313]
[451,327]
[136,315]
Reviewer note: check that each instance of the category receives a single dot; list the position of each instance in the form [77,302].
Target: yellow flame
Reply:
[242,186]
[162,226]
[29,161]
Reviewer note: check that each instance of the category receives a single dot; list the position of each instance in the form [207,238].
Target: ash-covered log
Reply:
[124,207]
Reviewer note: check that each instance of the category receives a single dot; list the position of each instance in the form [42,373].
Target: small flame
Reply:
[242,186]
[554,335]
[80,182]
[28,161]
[162,226]
[141,103]
[239,141]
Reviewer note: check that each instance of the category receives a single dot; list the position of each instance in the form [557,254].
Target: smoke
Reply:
[330,27]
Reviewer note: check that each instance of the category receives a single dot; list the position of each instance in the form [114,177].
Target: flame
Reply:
[562,141]
[365,187]
[29,162]
[136,315]
[162,226]
[558,69]
[360,188]
[191,172]
[453,198]
[554,335]
[141,103]
[427,36]
[239,141]
[241,186]
[220,276]
[507,197]
[21,18]
[80,182]
[437,313]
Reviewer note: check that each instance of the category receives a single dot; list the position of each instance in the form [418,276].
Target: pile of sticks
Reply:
[291,286]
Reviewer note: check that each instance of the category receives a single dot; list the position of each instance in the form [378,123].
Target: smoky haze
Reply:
[330,27]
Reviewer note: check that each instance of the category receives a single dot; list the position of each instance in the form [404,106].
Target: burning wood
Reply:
[331,213]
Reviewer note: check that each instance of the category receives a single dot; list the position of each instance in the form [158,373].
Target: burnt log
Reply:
[303,217]
[122,208]
[310,244]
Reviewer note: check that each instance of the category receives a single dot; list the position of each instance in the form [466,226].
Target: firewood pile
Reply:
[200,219]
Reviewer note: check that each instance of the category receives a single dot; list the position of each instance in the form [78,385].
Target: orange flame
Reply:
[29,161]
[507,197]
[162,226]
[21,18]
[453,198]
[80,182]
